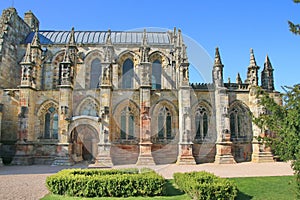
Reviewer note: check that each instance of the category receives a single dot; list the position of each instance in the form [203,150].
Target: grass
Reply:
[277,187]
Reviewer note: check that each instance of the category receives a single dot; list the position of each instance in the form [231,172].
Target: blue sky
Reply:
[234,26]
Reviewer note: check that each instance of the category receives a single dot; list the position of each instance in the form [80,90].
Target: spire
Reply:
[267,78]
[174,36]
[36,40]
[179,39]
[238,79]
[218,70]
[252,58]
[145,39]
[252,74]
[72,38]
[267,64]
[27,57]
[218,61]
[108,39]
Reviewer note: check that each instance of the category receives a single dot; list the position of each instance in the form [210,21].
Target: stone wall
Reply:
[13,31]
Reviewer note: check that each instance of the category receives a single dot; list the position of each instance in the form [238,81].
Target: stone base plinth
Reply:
[224,159]
[22,160]
[262,157]
[186,155]
[145,156]
[223,153]
[103,159]
[63,161]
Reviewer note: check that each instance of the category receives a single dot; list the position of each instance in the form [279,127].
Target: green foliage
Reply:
[106,183]
[294,28]
[204,185]
[283,121]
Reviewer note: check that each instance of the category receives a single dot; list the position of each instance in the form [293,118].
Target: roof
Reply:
[99,37]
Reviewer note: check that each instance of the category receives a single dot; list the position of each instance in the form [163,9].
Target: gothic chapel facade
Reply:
[111,97]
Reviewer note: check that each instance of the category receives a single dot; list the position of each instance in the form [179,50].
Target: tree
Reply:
[283,121]
[295,28]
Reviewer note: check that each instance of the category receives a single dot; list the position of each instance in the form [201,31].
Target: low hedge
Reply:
[106,183]
[205,185]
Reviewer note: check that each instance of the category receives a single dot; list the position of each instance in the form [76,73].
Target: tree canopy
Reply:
[281,122]
[295,28]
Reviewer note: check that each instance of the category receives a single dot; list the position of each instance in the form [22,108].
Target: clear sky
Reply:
[234,26]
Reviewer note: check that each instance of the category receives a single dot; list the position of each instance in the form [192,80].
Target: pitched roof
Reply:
[99,37]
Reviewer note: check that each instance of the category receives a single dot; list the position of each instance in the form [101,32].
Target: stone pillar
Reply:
[26,132]
[260,153]
[103,158]
[223,144]
[1,110]
[145,145]
[185,154]
[64,147]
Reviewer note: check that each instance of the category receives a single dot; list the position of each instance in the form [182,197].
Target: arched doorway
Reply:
[84,140]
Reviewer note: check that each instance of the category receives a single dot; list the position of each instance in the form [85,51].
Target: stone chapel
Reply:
[120,97]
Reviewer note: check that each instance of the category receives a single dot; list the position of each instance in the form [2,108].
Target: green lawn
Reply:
[278,187]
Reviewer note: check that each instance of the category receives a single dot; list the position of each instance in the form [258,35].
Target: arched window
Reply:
[201,123]
[156,74]
[127,74]
[51,124]
[89,107]
[127,124]
[95,74]
[164,123]
[240,123]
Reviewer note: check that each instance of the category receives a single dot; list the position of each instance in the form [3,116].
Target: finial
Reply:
[267,64]
[238,79]
[27,57]
[36,40]
[145,39]
[252,58]
[217,58]
[67,55]
[72,38]
[108,39]
[179,39]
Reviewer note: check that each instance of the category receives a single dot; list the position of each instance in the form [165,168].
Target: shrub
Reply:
[106,183]
[205,185]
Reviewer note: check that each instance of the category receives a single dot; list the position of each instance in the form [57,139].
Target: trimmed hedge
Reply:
[205,185]
[106,183]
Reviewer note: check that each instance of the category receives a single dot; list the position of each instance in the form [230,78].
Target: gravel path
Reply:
[28,182]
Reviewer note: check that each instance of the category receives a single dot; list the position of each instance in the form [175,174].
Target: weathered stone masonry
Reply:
[112,97]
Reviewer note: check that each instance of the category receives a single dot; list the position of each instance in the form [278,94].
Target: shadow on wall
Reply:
[7,151]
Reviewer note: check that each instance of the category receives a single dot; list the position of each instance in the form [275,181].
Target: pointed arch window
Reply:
[156,74]
[95,74]
[164,123]
[127,124]
[51,124]
[201,123]
[240,123]
[127,74]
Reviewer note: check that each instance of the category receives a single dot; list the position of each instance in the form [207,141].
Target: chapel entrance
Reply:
[84,140]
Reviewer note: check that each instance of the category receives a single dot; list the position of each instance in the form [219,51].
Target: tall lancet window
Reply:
[201,123]
[95,75]
[51,124]
[127,74]
[164,124]
[156,74]
[127,124]
[240,123]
